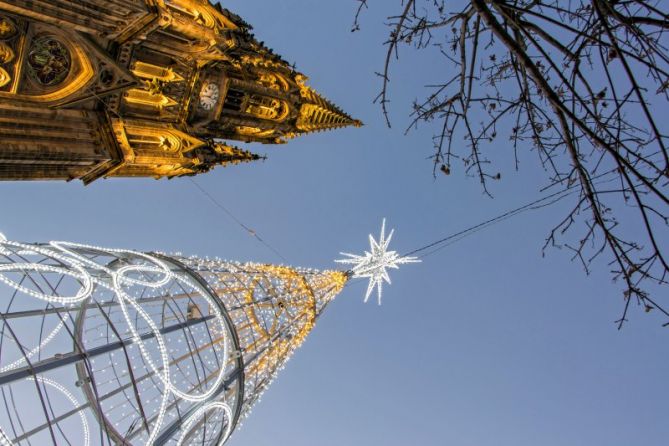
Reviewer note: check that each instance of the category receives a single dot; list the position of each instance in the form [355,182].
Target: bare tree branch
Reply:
[582,84]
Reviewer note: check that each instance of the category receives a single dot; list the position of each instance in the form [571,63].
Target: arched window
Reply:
[273,81]
[266,107]
[234,100]
[49,60]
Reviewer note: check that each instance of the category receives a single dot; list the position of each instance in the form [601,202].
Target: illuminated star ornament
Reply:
[374,264]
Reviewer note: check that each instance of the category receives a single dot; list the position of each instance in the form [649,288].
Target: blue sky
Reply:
[486,343]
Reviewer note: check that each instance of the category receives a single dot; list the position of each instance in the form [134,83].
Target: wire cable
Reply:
[246,228]
[533,205]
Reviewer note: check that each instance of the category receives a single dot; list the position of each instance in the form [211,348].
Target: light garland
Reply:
[269,309]
[81,268]
[38,348]
[4,439]
[71,398]
[198,413]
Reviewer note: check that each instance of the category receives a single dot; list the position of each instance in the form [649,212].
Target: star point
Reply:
[374,263]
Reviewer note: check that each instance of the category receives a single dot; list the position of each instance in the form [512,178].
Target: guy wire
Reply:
[238,221]
[533,205]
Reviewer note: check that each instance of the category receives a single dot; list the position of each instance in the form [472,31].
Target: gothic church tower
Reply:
[148,88]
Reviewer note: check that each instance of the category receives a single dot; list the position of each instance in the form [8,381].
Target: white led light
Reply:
[198,413]
[272,309]
[373,264]
[69,396]
[38,348]
[90,274]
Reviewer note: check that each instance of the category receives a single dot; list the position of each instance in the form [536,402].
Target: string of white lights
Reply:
[69,396]
[188,424]
[90,274]
[4,439]
[40,347]
[173,357]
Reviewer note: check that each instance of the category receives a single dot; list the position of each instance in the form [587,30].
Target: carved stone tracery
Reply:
[134,71]
[48,60]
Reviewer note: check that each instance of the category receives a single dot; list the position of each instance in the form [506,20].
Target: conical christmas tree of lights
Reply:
[115,347]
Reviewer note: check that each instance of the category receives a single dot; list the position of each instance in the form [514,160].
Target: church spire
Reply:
[318,114]
[226,154]
[141,90]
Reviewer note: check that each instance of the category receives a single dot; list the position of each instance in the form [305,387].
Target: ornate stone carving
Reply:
[5,78]
[162,81]
[6,53]
[7,28]
[49,60]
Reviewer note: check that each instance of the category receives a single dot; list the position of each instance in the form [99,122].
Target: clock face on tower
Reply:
[209,95]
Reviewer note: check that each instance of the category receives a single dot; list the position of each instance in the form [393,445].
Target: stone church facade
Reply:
[141,88]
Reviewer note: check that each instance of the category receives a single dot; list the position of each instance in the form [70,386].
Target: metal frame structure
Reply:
[114,347]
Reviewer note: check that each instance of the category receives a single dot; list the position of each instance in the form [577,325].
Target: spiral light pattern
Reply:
[148,348]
